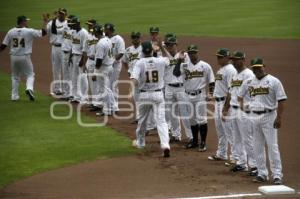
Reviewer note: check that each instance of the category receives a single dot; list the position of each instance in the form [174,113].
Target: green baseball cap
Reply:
[73,20]
[238,55]
[62,11]
[257,62]
[98,28]
[91,22]
[135,34]
[171,34]
[192,48]
[21,19]
[171,40]
[109,26]
[154,29]
[223,52]
[147,46]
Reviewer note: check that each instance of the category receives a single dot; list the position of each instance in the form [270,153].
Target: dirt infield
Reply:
[187,173]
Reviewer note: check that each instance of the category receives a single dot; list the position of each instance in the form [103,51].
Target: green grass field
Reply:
[222,18]
[32,142]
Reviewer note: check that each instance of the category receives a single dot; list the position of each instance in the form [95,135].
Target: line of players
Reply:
[94,59]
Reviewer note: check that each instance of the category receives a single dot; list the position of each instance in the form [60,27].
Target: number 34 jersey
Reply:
[20,40]
[149,72]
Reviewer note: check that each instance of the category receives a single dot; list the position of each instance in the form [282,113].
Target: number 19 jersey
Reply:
[149,72]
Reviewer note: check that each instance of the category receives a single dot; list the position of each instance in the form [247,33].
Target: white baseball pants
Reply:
[147,101]
[21,65]
[265,133]
[57,62]
[66,74]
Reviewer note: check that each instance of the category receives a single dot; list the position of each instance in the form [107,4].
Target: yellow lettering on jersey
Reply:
[236,83]
[258,91]
[133,56]
[76,41]
[193,74]
[67,36]
[219,77]
[92,42]
[173,62]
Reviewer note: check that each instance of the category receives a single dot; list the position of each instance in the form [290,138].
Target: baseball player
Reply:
[148,76]
[55,29]
[154,35]
[198,75]
[131,56]
[267,104]
[19,40]
[118,52]
[89,59]
[241,126]
[104,60]
[175,93]
[66,47]
[222,85]
[79,77]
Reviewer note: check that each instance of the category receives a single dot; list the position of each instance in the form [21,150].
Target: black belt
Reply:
[193,93]
[142,91]
[176,85]
[262,112]
[219,99]
[235,107]
[76,54]
[92,58]
[247,111]
[66,51]
[57,45]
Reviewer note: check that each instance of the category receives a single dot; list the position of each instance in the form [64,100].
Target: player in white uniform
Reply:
[198,75]
[267,104]
[131,56]
[104,60]
[66,47]
[175,93]
[118,52]
[148,76]
[222,86]
[241,125]
[55,29]
[89,59]
[155,41]
[79,76]
[19,40]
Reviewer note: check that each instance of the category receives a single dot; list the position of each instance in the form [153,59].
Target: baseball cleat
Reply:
[259,179]
[191,144]
[277,181]
[30,95]
[237,168]
[202,147]
[95,108]
[215,158]
[253,171]
[230,163]
[135,144]
[166,153]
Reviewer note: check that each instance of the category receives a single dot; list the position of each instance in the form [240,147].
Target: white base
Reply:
[276,190]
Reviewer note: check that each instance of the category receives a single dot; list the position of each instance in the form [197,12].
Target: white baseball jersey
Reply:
[89,45]
[169,77]
[78,40]
[118,45]
[60,27]
[104,51]
[223,80]
[198,76]
[265,93]
[20,40]
[66,44]
[131,56]
[149,72]
[236,83]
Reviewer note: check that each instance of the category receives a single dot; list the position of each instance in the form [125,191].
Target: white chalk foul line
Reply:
[226,196]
